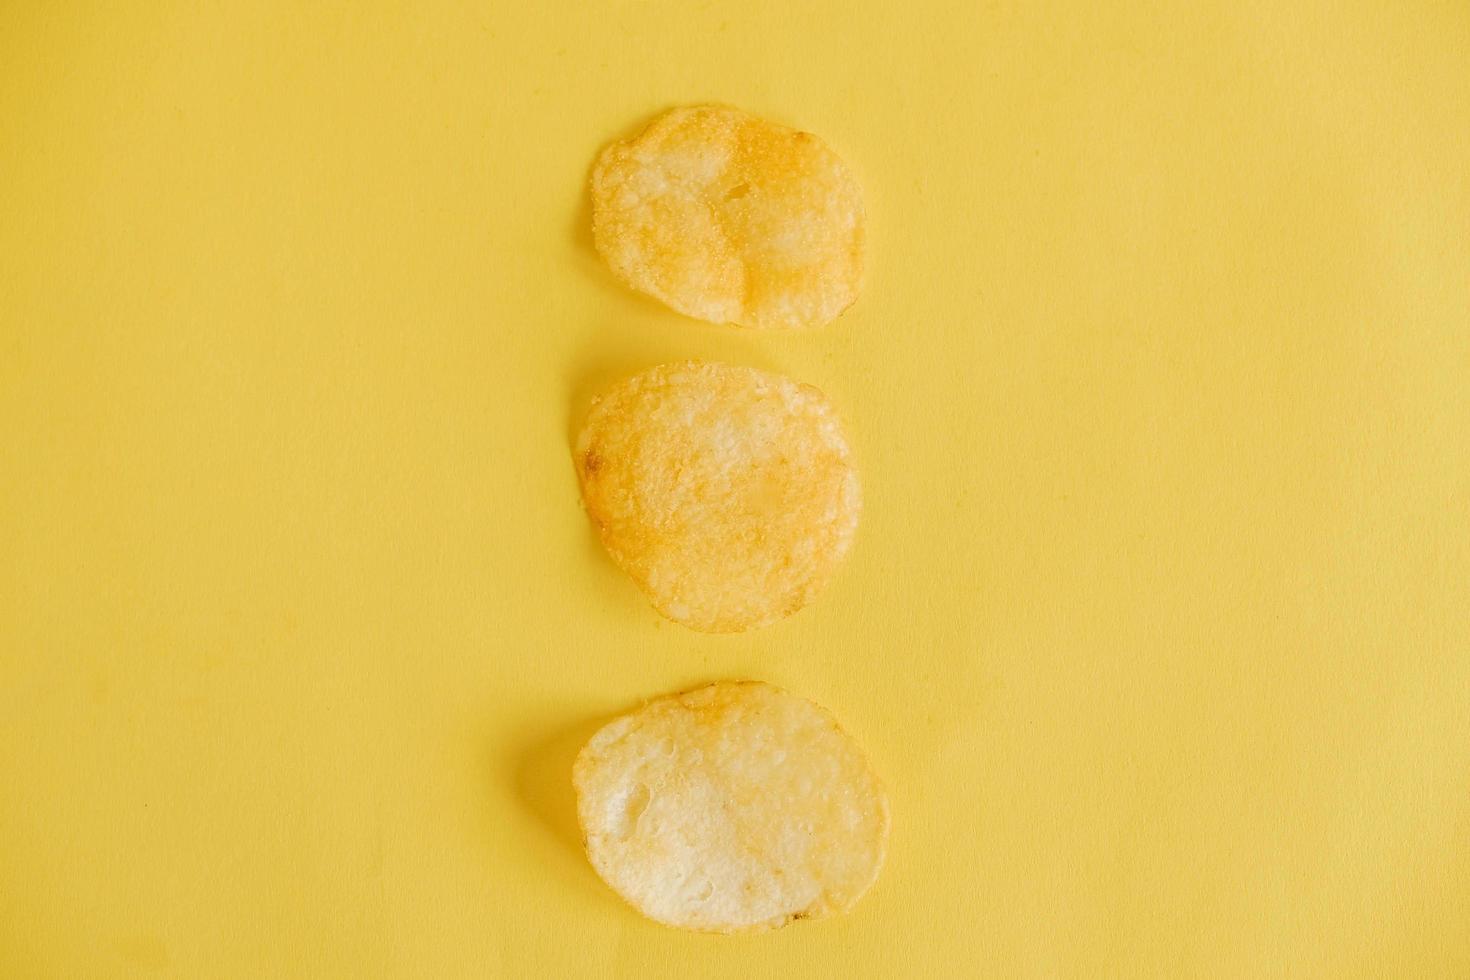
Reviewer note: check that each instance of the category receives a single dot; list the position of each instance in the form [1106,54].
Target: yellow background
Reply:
[1156,625]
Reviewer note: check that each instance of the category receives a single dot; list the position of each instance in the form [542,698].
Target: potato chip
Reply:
[727,493]
[735,807]
[729,218]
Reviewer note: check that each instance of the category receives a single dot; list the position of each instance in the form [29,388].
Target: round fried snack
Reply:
[736,807]
[727,493]
[729,218]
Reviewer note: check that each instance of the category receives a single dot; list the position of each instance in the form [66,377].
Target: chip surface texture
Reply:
[730,218]
[734,807]
[727,493]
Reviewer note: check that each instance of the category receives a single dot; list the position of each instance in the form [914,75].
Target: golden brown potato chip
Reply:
[727,493]
[729,218]
[734,807]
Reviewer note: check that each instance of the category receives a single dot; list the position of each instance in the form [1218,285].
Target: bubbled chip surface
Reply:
[730,218]
[734,807]
[727,493]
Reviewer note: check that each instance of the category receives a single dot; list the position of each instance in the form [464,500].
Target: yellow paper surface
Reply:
[1156,625]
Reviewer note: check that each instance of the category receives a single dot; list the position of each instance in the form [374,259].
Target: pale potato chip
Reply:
[729,218]
[727,493]
[735,807]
